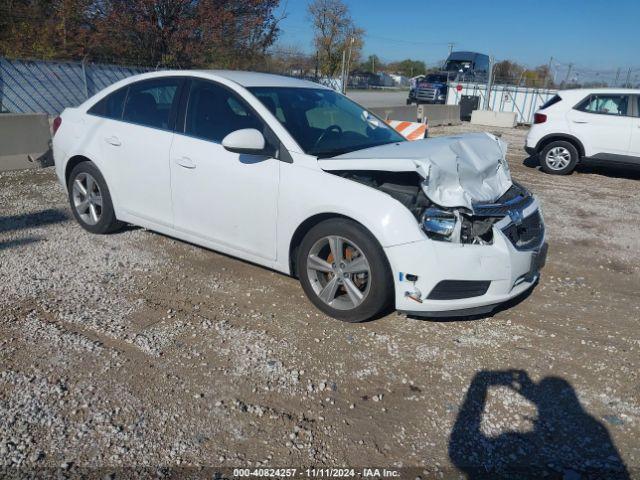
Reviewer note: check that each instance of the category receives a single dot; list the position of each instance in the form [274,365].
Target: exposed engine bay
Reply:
[456,225]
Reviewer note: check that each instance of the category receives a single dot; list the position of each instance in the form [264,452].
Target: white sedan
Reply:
[296,177]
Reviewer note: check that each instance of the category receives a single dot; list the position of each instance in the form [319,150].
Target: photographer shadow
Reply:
[565,441]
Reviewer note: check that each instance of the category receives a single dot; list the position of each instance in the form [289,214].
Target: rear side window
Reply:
[606,104]
[552,101]
[111,106]
[151,102]
[214,111]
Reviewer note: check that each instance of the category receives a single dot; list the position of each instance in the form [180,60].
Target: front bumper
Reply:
[418,267]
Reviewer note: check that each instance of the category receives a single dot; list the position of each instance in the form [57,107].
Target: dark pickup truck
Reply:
[460,66]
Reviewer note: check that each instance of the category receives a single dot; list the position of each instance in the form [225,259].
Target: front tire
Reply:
[344,271]
[559,158]
[90,200]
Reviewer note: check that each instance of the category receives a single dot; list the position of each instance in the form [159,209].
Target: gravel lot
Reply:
[135,349]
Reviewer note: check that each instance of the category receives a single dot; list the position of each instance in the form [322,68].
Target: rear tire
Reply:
[559,158]
[344,271]
[90,200]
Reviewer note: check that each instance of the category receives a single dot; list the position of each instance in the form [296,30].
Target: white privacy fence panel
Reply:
[503,98]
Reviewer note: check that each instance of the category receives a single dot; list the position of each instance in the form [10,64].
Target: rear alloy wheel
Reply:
[90,199]
[87,198]
[559,158]
[344,271]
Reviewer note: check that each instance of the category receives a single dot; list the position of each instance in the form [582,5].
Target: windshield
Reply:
[457,65]
[323,122]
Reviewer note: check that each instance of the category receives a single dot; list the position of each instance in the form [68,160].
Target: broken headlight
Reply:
[439,224]
[457,227]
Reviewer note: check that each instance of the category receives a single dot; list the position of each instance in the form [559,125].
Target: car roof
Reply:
[581,92]
[245,79]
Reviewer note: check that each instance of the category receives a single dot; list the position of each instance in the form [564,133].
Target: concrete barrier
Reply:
[437,114]
[25,141]
[407,113]
[494,119]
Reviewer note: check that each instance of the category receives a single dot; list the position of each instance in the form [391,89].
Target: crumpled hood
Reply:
[458,170]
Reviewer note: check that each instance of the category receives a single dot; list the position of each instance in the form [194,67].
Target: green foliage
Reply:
[408,67]
[372,64]
[510,72]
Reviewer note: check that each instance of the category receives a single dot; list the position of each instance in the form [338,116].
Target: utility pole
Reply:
[344,53]
[568,73]
[546,80]
[492,62]
[628,82]
[84,77]
[615,84]
[451,44]
[373,64]
[346,80]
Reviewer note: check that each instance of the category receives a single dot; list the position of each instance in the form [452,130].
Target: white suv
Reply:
[601,125]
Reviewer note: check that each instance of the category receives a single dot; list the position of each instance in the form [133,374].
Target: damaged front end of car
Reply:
[452,224]
[460,192]
[457,188]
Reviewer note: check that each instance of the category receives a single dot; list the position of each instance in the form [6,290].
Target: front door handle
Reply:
[580,121]
[113,140]
[185,162]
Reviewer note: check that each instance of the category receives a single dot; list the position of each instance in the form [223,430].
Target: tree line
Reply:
[236,34]
[180,33]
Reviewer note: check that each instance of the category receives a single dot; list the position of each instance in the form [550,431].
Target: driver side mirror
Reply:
[248,141]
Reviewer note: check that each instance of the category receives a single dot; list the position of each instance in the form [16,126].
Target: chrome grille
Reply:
[502,209]
[426,93]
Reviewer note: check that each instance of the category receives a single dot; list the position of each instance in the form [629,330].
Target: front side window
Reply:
[213,112]
[150,102]
[606,104]
[323,122]
[111,106]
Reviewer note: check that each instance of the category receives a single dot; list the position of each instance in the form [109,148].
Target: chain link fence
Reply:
[42,86]
[28,86]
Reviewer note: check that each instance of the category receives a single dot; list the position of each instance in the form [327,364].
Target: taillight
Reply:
[539,118]
[56,124]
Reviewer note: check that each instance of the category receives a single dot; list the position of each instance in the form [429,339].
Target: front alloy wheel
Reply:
[338,272]
[344,271]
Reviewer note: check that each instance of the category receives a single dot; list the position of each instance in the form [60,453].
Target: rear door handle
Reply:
[185,162]
[113,140]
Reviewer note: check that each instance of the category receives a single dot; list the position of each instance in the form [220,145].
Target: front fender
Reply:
[307,192]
